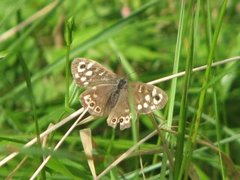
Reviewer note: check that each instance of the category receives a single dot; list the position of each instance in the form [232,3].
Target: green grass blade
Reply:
[174,81]
[184,101]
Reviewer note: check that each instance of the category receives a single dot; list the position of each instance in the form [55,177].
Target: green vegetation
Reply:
[143,40]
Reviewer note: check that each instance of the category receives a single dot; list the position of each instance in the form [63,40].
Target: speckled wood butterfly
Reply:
[108,95]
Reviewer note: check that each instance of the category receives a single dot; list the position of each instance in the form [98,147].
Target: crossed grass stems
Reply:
[80,121]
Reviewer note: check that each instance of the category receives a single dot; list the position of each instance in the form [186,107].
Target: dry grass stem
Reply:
[10,176]
[58,144]
[86,139]
[236,58]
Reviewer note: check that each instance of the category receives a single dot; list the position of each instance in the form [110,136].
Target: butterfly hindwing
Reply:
[89,73]
[120,113]
[95,99]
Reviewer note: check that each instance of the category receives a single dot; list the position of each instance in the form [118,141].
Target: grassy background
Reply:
[153,39]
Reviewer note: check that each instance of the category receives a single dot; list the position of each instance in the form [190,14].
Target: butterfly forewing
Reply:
[147,98]
[89,73]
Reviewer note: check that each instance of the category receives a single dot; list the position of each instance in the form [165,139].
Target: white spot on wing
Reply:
[154,92]
[83,79]
[90,65]
[147,98]
[100,74]
[86,97]
[139,107]
[77,75]
[85,83]
[161,96]
[153,107]
[140,89]
[145,105]
[88,73]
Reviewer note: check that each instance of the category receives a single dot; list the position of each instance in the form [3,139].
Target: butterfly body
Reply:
[121,85]
[108,95]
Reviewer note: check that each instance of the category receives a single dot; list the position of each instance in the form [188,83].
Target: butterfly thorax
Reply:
[121,83]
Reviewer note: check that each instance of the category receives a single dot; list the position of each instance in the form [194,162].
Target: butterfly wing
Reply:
[120,113]
[147,98]
[96,99]
[89,73]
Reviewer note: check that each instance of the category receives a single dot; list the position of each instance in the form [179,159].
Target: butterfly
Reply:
[108,95]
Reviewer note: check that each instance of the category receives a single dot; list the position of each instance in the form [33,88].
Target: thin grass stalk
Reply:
[174,81]
[218,124]
[135,139]
[218,131]
[68,39]
[176,63]
[184,102]
[197,118]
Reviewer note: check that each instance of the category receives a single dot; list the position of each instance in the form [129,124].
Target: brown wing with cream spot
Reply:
[89,73]
[147,98]
[95,99]
[120,114]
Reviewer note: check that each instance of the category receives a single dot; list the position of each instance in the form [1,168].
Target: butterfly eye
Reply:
[114,120]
